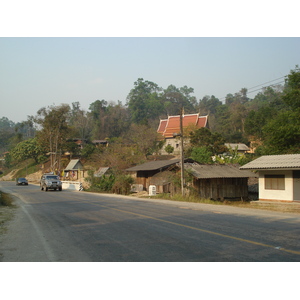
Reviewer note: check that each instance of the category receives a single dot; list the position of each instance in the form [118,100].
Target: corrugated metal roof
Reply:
[240,146]
[101,171]
[74,164]
[287,161]
[217,171]
[153,165]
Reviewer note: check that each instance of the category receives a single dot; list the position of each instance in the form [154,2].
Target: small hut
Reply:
[220,182]
[74,170]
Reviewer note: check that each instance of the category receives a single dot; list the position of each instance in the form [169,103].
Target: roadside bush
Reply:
[100,184]
[105,183]
[5,199]
[122,184]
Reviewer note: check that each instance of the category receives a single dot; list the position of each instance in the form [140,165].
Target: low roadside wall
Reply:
[72,185]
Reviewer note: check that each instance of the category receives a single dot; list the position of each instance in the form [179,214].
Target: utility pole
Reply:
[181,153]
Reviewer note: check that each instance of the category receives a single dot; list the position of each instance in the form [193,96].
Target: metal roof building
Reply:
[287,161]
[218,171]
[279,176]
[238,146]
[153,165]
[74,164]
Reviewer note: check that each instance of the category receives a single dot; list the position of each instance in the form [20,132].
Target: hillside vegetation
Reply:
[126,134]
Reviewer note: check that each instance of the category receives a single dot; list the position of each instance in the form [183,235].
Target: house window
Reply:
[274,182]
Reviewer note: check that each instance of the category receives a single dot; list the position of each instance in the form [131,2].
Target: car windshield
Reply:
[22,179]
[52,177]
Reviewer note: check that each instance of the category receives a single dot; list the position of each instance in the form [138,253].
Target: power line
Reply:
[266,83]
[249,92]
[261,86]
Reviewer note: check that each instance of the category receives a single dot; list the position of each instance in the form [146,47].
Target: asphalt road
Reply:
[71,226]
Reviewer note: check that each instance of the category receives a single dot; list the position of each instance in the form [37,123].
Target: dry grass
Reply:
[6,210]
[273,206]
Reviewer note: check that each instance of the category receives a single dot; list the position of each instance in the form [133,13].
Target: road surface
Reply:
[71,226]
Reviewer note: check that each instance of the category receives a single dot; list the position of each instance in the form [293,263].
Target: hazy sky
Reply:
[37,72]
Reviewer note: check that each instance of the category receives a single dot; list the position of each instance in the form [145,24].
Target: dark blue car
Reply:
[22,181]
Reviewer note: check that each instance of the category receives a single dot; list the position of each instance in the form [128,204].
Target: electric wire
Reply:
[262,85]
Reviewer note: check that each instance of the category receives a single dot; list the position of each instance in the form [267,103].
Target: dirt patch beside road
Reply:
[291,207]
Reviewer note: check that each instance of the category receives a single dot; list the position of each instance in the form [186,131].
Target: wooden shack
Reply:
[153,172]
[220,182]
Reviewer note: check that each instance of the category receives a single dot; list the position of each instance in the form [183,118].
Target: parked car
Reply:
[50,181]
[22,181]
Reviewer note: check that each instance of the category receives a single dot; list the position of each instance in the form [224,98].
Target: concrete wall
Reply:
[282,195]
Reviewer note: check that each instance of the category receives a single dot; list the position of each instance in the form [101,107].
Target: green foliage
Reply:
[87,150]
[233,157]
[209,105]
[7,160]
[169,149]
[122,184]
[202,155]
[280,131]
[30,148]
[282,134]
[213,141]
[100,184]
[54,130]
[175,98]
[143,101]
[291,94]
[105,183]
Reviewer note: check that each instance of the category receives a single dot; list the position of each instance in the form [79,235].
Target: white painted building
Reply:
[279,176]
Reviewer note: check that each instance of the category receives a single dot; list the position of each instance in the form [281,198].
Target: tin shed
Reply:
[220,182]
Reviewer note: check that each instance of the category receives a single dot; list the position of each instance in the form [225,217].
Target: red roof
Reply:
[172,125]
[162,126]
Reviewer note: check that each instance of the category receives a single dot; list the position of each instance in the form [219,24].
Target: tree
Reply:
[27,149]
[256,120]
[80,122]
[54,130]
[118,120]
[175,98]
[291,94]
[209,105]
[281,133]
[98,115]
[203,137]
[202,155]
[143,101]
[6,133]
[143,138]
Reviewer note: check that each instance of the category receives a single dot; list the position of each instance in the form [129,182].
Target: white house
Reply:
[279,176]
